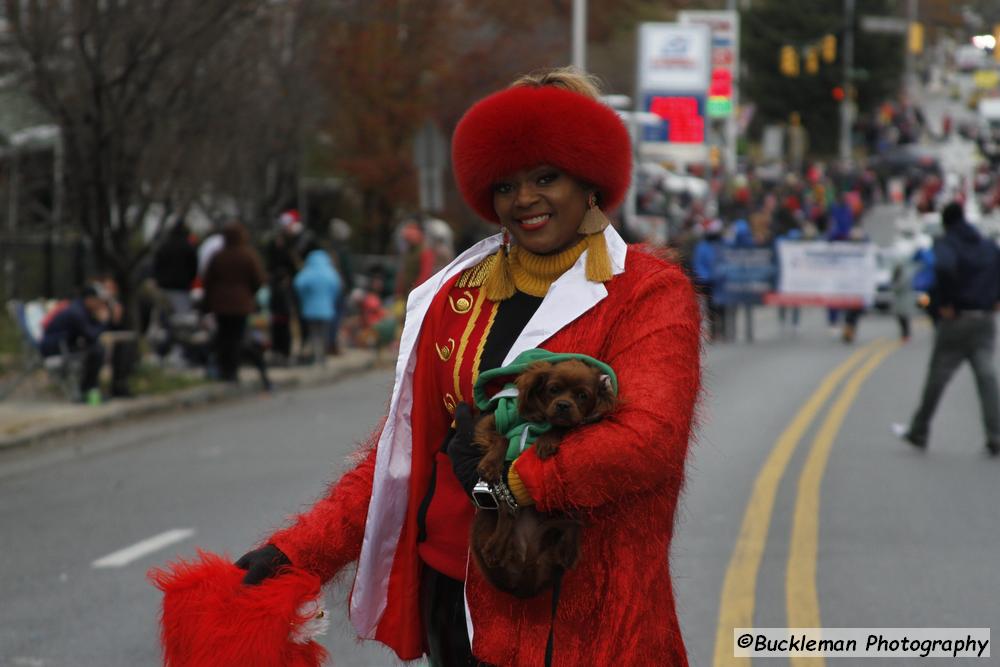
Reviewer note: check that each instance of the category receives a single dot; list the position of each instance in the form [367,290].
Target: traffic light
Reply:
[829,48]
[789,61]
[916,37]
[714,156]
[812,61]
[837,93]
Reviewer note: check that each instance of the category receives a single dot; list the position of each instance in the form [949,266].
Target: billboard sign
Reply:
[725,27]
[674,73]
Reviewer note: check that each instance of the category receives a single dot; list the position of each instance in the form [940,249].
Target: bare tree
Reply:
[159,103]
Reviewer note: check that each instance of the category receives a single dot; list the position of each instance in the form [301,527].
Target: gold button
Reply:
[463,304]
[450,403]
[444,351]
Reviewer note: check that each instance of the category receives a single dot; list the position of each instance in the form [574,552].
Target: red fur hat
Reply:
[210,619]
[525,126]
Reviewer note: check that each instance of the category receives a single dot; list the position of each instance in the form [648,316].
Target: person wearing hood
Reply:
[232,279]
[318,287]
[967,293]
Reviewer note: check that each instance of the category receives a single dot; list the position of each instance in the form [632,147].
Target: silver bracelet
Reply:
[502,492]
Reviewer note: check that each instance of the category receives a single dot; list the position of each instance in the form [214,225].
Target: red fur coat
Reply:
[621,475]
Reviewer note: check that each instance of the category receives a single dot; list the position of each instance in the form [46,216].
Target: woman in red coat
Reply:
[541,159]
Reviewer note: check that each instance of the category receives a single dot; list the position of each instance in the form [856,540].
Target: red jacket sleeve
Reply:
[655,350]
[327,536]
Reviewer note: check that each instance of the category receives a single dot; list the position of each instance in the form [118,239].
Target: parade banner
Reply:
[745,275]
[821,273]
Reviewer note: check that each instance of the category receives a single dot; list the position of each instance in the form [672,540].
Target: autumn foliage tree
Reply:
[391,65]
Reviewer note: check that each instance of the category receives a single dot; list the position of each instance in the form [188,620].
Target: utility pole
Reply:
[580,34]
[847,104]
[909,83]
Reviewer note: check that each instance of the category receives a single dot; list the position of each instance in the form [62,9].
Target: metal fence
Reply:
[34,266]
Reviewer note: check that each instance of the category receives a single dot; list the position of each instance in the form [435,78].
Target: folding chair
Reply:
[64,368]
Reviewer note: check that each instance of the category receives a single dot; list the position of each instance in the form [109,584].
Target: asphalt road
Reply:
[902,538]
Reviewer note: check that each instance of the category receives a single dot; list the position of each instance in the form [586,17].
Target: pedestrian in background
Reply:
[318,287]
[741,236]
[840,222]
[175,266]
[904,298]
[231,282]
[541,159]
[76,328]
[416,260]
[789,230]
[284,253]
[704,259]
[119,337]
[211,244]
[440,239]
[967,292]
[343,260]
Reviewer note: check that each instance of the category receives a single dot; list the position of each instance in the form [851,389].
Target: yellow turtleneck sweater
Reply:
[534,273]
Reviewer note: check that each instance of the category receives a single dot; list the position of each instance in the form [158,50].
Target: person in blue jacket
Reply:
[703,264]
[742,237]
[318,287]
[77,328]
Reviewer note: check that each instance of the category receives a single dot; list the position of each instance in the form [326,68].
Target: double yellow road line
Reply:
[739,589]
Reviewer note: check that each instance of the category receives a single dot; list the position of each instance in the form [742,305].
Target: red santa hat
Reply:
[211,619]
[525,126]
[291,221]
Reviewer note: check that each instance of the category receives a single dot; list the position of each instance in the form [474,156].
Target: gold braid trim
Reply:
[476,276]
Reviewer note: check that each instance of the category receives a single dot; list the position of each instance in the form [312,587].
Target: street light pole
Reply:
[846,104]
[13,188]
[580,34]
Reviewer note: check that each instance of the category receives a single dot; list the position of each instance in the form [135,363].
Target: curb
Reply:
[188,398]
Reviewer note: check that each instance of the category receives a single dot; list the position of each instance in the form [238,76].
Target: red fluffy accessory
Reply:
[525,126]
[211,619]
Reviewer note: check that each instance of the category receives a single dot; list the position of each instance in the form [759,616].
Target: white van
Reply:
[969,58]
[988,134]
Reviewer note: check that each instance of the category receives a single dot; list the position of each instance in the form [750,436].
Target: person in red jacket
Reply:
[541,159]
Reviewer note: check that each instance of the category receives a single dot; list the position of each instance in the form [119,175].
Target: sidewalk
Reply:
[27,421]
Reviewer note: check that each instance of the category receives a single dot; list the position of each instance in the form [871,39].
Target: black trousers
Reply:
[972,338]
[231,347]
[228,340]
[93,359]
[123,357]
[442,606]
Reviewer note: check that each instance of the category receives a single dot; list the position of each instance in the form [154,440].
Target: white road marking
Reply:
[123,557]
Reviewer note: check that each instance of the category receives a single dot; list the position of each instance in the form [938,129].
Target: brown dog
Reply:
[522,552]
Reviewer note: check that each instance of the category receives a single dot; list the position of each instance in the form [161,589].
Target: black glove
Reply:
[463,454]
[262,564]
